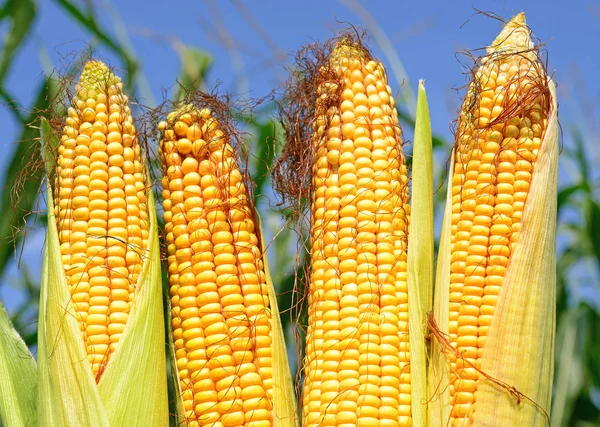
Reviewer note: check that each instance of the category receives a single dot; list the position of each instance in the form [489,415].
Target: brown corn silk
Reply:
[100,206]
[356,364]
[500,130]
[221,317]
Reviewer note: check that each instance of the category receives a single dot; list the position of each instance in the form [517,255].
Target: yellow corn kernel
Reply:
[357,367]
[500,130]
[220,307]
[100,203]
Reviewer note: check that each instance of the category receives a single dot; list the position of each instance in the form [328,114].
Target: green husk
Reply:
[133,388]
[19,377]
[420,257]
[438,375]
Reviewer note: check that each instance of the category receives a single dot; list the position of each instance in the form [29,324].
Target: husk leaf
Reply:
[133,388]
[285,413]
[420,256]
[520,347]
[19,377]
[438,376]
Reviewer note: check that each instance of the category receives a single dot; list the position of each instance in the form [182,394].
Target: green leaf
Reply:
[420,255]
[594,227]
[422,202]
[195,65]
[565,194]
[22,13]
[88,21]
[19,377]
[581,154]
[592,349]
[569,367]
[267,134]
[21,191]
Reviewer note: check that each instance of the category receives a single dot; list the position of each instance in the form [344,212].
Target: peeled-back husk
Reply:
[133,388]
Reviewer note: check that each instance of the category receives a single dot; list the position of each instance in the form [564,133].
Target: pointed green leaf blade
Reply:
[23,13]
[195,65]
[14,209]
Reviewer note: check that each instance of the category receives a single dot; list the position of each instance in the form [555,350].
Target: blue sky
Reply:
[424,37]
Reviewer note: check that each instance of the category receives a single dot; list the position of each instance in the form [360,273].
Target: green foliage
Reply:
[195,65]
[21,14]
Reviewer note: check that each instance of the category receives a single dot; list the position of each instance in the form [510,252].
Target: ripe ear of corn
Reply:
[495,293]
[99,139]
[101,209]
[227,341]
[359,355]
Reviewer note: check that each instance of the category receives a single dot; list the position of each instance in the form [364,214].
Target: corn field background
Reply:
[164,49]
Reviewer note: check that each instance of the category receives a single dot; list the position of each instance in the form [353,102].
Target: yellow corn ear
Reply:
[98,161]
[101,210]
[221,304]
[357,367]
[503,180]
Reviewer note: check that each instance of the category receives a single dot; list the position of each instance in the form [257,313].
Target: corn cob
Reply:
[500,131]
[357,370]
[221,317]
[100,206]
